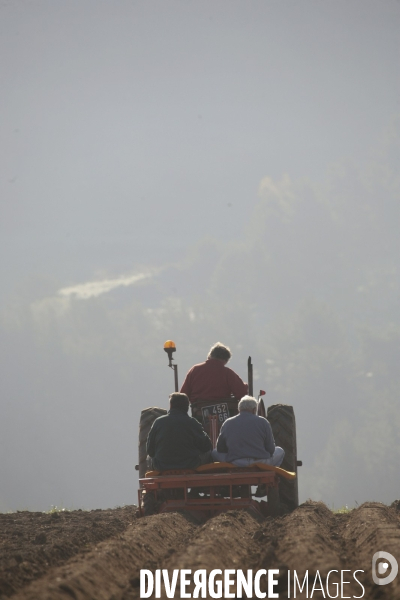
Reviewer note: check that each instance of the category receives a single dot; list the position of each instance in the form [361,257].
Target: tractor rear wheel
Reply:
[273,502]
[147,418]
[283,423]
[149,503]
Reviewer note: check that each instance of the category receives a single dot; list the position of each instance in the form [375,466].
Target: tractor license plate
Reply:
[219,410]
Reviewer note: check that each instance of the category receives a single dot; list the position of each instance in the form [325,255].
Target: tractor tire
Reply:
[274,505]
[283,423]
[149,504]
[147,418]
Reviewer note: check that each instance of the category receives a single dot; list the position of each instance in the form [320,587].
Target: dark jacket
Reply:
[176,440]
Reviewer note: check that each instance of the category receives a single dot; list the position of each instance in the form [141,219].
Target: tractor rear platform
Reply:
[211,489]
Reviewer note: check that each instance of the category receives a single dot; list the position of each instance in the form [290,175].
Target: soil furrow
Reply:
[373,527]
[105,571]
[311,539]
[31,543]
[304,541]
[227,541]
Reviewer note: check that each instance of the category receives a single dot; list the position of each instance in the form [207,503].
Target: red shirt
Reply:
[211,380]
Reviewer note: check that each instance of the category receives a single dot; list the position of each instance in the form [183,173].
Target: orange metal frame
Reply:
[216,502]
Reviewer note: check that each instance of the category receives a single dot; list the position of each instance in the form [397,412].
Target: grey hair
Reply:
[220,351]
[247,403]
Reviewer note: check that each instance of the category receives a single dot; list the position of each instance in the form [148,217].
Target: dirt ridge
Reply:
[311,538]
[112,564]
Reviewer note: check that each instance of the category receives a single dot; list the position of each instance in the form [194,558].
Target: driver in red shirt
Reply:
[212,380]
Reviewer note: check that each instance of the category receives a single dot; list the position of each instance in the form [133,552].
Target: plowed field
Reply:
[98,554]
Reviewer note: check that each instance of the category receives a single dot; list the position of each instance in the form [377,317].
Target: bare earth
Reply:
[98,555]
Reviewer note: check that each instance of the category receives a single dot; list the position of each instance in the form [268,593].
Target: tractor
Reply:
[217,487]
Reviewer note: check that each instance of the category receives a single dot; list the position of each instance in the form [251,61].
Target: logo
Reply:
[384,563]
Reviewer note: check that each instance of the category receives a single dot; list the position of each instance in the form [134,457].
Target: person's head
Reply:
[220,352]
[179,402]
[248,404]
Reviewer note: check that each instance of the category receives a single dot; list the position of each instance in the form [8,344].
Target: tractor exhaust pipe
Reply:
[250,375]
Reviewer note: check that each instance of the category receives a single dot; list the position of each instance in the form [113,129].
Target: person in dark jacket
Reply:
[177,441]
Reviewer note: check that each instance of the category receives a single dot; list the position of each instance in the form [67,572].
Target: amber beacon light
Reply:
[170,348]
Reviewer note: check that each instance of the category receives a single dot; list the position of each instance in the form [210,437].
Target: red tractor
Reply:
[217,487]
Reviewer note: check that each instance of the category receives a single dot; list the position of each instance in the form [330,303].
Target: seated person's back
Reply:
[177,441]
[247,438]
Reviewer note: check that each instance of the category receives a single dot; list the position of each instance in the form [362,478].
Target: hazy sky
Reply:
[130,129]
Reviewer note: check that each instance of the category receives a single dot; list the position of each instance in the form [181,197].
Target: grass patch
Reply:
[56,509]
[343,510]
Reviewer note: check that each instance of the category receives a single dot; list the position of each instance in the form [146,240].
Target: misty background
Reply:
[197,171]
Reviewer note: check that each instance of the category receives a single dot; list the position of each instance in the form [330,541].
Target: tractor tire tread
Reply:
[147,418]
[283,423]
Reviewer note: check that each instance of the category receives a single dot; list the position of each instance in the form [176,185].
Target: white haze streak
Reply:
[92,289]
